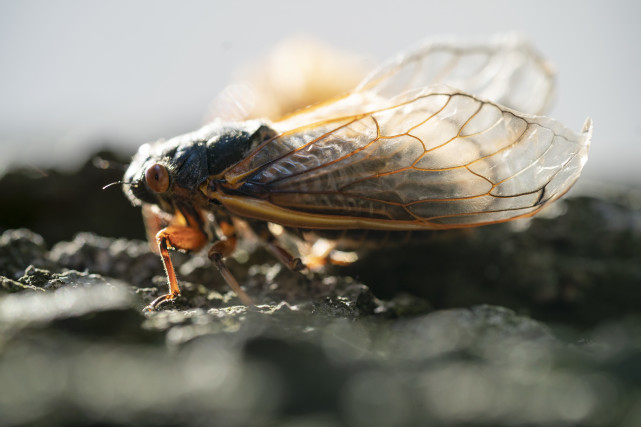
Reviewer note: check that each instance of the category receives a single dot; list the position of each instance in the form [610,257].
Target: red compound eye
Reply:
[157,178]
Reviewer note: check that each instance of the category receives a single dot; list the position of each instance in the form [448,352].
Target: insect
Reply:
[444,135]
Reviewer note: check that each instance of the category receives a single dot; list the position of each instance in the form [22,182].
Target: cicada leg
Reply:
[177,237]
[155,220]
[283,255]
[279,252]
[224,248]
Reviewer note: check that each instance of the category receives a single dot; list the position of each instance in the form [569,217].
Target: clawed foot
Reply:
[153,306]
[297,265]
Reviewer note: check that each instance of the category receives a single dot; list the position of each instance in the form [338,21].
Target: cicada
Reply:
[444,135]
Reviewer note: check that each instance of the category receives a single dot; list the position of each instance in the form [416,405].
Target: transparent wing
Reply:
[435,158]
[505,69]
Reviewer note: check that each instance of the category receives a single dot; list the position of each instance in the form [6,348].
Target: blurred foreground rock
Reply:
[437,333]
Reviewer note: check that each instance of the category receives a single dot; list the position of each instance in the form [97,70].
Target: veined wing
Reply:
[431,158]
[506,69]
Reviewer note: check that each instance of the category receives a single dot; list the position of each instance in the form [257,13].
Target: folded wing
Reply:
[435,156]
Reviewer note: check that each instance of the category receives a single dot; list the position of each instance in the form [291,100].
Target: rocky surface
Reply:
[533,324]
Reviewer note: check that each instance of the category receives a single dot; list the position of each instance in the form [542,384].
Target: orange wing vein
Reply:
[431,157]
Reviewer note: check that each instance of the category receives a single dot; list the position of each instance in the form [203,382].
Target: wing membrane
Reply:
[436,157]
[507,70]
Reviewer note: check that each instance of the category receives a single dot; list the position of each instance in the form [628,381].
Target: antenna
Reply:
[117,182]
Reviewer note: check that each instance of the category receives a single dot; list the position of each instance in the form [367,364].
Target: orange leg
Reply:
[177,237]
[155,220]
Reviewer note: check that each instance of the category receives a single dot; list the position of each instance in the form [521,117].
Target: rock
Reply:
[9,285]
[531,326]
[130,260]
[20,248]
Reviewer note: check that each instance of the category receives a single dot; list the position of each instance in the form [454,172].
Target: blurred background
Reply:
[558,344]
[78,76]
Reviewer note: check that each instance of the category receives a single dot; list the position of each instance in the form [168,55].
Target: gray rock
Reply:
[501,327]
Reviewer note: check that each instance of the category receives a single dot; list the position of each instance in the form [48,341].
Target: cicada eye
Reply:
[157,178]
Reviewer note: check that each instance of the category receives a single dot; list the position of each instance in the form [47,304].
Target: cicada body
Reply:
[433,139]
